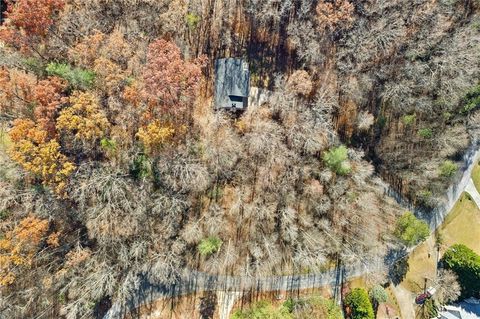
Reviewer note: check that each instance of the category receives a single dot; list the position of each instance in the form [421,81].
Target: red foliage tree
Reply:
[170,81]
[32,16]
[27,19]
[48,97]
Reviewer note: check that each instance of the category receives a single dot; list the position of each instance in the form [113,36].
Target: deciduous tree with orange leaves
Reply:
[40,156]
[170,81]
[48,98]
[16,92]
[27,19]
[18,247]
[84,122]
[334,14]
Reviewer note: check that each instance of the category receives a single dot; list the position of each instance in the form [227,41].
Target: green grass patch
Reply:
[461,226]
[476,176]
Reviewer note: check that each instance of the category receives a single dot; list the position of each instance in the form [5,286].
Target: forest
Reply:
[115,166]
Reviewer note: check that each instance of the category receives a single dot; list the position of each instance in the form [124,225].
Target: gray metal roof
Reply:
[232,78]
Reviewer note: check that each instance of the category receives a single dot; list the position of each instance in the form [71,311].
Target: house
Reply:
[232,84]
[468,309]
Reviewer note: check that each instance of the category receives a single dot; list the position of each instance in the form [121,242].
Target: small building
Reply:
[232,84]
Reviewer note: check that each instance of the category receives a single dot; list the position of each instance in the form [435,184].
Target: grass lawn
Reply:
[462,225]
[476,176]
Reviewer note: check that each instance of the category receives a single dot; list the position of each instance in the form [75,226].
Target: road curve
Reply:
[195,281]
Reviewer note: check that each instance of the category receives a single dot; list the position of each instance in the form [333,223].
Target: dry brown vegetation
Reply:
[116,153]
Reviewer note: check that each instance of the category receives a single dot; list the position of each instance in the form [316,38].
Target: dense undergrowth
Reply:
[117,165]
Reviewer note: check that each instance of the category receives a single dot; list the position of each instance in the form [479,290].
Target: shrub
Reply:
[410,230]
[359,304]
[77,78]
[409,119]
[141,167]
[448,169]
[209,245]
[472,100]
[466,264]
[192,20]
[336,160]
[155,136]
[32,150]
[84,121]
[429,309]
[426,133]
[425,198]
[314,307]
[263,310]
[378,294]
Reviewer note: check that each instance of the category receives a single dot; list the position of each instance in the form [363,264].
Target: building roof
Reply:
[232,78]
[464,310]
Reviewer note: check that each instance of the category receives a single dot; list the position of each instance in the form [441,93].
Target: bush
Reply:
[425,198]
[409,119]
[141,167]
[209,245]
[192,20]
[314,307]
[410,230]
[77,78]
[336,160]
[472,100]
[425,133]
[429,309]
[448,169]
[466,264]
[359,304]
[378,294]
[263,310]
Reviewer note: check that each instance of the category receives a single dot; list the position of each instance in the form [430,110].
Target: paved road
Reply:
[473,192]
[195,281]
[199,281]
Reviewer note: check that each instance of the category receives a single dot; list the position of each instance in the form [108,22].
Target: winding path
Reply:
[194,281]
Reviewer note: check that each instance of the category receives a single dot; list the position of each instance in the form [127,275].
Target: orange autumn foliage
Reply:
[86,51]
[171,82]
[133,94]
[48,97]
[40,156]
[334,14]
[16,92]
[109,74]
[28,19]
[155,136]
[19,246]
[84,121]
[34,17]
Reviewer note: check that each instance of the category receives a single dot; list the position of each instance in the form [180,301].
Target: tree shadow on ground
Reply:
[207,305]
[398,261]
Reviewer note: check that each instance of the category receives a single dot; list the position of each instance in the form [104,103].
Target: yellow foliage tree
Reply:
[42,157]
[84,121]
[155,136]
[19,246]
